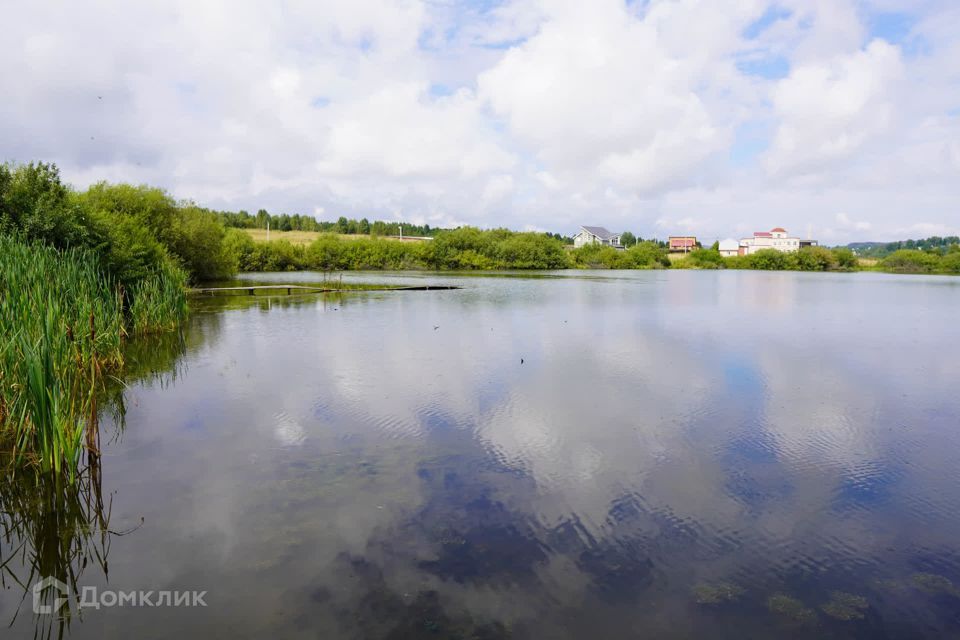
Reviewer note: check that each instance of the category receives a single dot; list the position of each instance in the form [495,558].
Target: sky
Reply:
[837,119]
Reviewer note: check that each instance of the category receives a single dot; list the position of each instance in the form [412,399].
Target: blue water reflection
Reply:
[659,454]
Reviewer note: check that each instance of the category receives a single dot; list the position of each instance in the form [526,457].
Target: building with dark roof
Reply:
[596,235]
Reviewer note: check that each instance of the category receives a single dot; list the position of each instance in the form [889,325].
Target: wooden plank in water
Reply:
[251,290]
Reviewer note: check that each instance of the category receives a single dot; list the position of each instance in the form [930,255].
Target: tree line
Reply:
[933,244]
[343,225]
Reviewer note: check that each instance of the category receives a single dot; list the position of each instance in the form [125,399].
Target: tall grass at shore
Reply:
[63,322]
[159,301]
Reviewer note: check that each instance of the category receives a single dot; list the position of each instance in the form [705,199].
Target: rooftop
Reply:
[600,232]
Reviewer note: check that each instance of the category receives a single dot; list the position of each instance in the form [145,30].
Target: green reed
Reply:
[159,301]
[63,321]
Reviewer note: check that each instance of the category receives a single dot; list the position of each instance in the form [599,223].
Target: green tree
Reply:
[35,203]
[627,239]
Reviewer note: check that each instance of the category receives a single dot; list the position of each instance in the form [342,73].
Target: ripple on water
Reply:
[288,431]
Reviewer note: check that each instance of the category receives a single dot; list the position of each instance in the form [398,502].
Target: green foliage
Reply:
[806,259]
[644,255]
[198,242]
[35,204]
[463,248]
[701,259]
[79,272]
[911,261]
[772,260]
[143,225]
[817,259]
[300,222]
[627,239]
[64,319]
[950,263]
[846,259]
[935,244]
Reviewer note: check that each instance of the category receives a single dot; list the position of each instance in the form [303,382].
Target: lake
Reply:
[669,454]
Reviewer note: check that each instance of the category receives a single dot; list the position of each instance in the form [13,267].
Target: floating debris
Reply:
[792,609]
[934,584]
[716,593]
[845,606]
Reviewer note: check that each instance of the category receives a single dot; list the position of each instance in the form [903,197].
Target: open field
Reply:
[306,237]
[294,237]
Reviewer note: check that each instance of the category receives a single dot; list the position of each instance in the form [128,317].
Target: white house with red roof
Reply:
[776,238]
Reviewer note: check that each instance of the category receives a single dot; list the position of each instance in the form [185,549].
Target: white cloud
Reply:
[540,113]
[598,98]
[830,110]
[844,221]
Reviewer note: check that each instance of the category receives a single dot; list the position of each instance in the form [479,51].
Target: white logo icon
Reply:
[63,592]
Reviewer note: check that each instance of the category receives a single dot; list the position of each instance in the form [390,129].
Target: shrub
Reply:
[910,261]
[816,259]
[950,263]
[771,260]
[701,259]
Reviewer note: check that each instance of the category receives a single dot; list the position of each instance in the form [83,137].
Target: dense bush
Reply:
[148,223]
[700,259]
[950,263]
[806,259]
[463,248]
[35,204]
[911,261]
[643,255]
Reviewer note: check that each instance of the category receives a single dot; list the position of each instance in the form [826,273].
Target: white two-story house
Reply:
[774,239]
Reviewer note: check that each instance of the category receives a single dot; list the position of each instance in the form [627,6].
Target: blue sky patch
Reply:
[438,90]
[773,14]
[750,140]
[892,27]
[770,67]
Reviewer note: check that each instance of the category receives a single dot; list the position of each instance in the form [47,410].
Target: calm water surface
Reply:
[576,455]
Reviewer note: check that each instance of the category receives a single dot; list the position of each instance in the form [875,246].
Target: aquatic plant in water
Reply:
[934,584]
[64,320]
[792,609]
[845,606]
[716,593]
